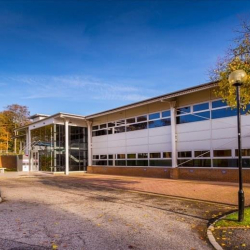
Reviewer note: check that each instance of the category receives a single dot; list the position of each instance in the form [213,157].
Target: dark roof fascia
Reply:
[157,98]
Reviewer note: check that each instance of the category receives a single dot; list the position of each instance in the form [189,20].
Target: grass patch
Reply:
[231,220]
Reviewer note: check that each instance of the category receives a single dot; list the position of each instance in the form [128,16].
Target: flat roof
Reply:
[38,115]
[60,114]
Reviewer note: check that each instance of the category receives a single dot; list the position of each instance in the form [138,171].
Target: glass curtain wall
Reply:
[48,148]
[78,149]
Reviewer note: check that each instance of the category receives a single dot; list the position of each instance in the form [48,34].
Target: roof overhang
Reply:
[57,115]
[166,97]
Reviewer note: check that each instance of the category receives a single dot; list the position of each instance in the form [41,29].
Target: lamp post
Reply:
[237,79]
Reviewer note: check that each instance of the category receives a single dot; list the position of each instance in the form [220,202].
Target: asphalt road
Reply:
[45,212]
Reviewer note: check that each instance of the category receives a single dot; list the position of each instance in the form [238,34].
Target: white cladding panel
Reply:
[193,126]
[117,137]
[160,131]
[137,141]
[160,148]
[118,143]
[159,139]
[141,141]
[137,134]
[204,135]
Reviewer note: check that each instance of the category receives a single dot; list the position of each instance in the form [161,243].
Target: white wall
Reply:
[140,141]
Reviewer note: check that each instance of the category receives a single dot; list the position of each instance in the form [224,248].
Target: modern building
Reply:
[190,133]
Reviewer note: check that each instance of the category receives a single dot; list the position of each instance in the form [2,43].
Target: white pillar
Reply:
[89,123]
[28,147]
[66,123]
[173,134]
[54,145]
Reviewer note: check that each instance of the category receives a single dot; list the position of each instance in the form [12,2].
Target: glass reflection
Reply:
[48,148]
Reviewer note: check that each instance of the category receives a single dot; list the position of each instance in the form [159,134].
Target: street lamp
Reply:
[237,78]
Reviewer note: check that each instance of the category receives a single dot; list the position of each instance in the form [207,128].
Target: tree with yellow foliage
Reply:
[12,117]
[237,57]
[4,137]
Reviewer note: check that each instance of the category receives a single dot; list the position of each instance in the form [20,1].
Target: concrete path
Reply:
[47,212]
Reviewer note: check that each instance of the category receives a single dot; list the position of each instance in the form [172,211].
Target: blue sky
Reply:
[83,57]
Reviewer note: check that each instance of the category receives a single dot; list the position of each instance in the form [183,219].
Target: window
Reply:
[159,123]
[202,162]
[102,163]
[202,153]
[131,156]
[142,162]
[245,163]
[202,116]
[121,156]
[120,163]
[184,110]
[118,130]
[120,122]
[95,156]
[99,132]
[200,107]
[244,152]
[137,126]
[243,112]
[131,162]
[231,163]
[218,104]
[142,118]
[185,163]
[110,131]
[154,116]
[160,163]
[167,154]
[225,112]
[155,155]
[130,120]
[111,156]
[111,124]
[222,153]
[95,127]
[103,156]
[166,113]
[195,163]
[103,126]
[185,154]
[143,155]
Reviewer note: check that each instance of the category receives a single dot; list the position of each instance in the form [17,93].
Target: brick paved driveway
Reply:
[206,191]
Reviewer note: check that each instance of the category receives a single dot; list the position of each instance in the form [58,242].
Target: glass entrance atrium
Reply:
[48,148]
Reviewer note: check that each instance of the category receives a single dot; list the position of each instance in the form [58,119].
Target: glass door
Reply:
[35,161]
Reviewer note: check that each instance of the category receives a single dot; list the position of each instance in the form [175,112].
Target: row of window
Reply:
[133,127]
[134,156]
[194,113]
[143,118]
[158,163]
[181,154]
[225,163]
[164,159]
[230,163]
[216,153]
[202,112]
